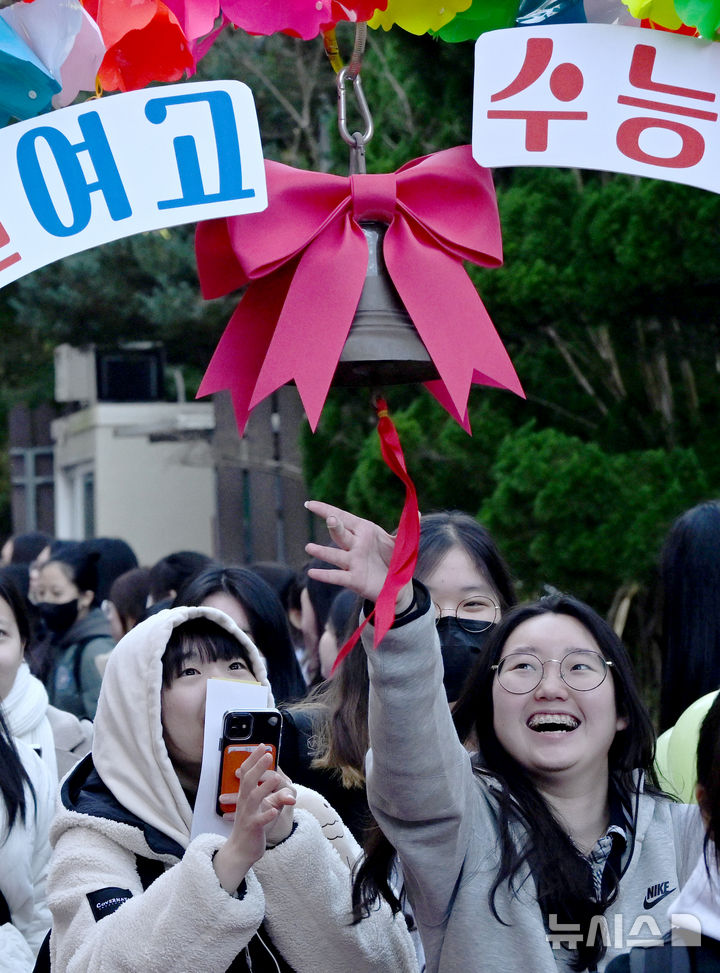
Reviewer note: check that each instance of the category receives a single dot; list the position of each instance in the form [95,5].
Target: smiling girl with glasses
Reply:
[546,849]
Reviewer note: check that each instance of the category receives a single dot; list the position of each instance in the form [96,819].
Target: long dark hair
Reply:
[13,778]
[13,775]
[690,636]
[561,875]
[340,705]
[269,628]
[708,776]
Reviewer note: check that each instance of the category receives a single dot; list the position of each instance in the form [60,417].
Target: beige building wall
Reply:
[140,471]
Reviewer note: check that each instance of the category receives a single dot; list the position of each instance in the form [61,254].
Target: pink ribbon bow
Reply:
[305,259]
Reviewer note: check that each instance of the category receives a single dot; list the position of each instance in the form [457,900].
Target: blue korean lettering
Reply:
[78,189]
[186,156]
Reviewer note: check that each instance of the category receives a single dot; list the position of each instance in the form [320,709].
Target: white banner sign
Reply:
[598,96]
[81,176]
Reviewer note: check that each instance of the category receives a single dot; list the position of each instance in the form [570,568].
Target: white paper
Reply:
[127,163]
[599,96]
[223,695]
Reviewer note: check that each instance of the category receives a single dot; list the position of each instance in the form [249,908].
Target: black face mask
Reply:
[59,618]
[460,651]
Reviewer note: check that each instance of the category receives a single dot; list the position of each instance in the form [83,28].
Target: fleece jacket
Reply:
[126,801]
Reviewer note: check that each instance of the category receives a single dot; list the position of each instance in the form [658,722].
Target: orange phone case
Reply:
[234,755]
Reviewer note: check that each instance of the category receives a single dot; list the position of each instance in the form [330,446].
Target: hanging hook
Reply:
[362,104]
[332,49]
[356,140]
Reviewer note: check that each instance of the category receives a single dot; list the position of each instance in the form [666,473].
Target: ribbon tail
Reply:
[448,313]
[404,557]
[405,552]
[316,317]
[238,358]
[439,391]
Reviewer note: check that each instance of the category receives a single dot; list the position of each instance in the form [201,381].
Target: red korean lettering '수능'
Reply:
[566,83]
[692,148]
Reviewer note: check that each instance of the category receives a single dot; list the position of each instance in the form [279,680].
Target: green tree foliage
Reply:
[570,514]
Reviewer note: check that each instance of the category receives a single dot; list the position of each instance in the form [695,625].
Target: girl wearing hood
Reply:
[549,849]
[130,890]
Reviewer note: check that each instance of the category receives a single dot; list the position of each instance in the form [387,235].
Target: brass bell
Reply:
[383,346]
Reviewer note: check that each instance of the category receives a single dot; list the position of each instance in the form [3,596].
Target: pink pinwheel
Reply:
[305,257]
[299,18]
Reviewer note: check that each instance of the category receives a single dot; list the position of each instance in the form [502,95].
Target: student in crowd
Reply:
[80,634]
[690,588]
[285,582]
[471,587]
[125,604]
[256,609]
[315,601]
[694,943]
[170,573]
[27,803]
[129,888]
[24,548]
[342,618]
[511,855]
[59,738]
[325,736]
[114,557]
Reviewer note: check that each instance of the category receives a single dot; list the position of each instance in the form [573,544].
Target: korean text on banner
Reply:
[599,96]
[111,167]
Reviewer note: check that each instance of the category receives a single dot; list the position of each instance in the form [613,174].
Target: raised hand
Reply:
[362,555]
[263,816]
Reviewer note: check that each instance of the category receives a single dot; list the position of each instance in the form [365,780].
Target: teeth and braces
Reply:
[546,721]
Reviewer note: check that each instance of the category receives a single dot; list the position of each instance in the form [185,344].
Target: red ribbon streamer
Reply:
[405,552]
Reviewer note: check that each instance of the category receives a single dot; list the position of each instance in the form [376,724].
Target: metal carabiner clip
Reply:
[343,76]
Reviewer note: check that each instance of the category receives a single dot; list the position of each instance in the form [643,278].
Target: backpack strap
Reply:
[80,647]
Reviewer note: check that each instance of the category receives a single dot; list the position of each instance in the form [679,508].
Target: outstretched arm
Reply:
[361,557]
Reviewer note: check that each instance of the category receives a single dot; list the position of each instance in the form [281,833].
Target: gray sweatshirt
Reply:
[440,816]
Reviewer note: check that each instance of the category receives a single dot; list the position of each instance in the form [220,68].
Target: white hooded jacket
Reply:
[126,801]
[24,859]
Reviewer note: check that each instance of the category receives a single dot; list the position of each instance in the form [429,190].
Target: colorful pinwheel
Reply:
[418,16]
[26,85]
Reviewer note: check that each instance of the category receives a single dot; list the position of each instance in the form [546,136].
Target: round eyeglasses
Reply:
[474,614]
[580,669]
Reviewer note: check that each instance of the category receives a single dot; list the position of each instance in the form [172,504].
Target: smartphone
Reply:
[243,733]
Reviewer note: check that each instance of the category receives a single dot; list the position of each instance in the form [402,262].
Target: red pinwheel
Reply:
[144,43]
[305,257]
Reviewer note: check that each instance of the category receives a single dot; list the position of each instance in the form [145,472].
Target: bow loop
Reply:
[308,257]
